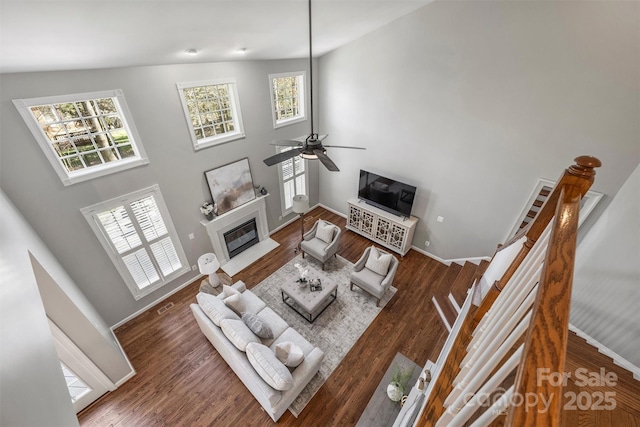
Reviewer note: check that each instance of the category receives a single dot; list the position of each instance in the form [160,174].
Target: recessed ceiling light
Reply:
[242,50]
[191,52]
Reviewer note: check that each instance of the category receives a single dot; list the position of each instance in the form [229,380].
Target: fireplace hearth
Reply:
[241,237]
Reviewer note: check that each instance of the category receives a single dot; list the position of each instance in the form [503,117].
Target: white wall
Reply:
[32,386]
[472,102]
[606,285]
[54,210]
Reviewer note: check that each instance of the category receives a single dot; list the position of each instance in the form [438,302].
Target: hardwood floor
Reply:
[181,379]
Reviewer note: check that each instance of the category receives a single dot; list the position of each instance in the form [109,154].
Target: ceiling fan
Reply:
[309,147]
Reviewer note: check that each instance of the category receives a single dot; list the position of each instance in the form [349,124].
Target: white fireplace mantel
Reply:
[216,228]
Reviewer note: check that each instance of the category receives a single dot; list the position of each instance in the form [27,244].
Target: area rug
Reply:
[337,329]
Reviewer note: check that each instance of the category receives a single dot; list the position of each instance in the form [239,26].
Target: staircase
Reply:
[581,355]
[453,288]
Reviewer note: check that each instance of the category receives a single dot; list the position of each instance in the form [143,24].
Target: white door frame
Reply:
[82,367]
[589,201]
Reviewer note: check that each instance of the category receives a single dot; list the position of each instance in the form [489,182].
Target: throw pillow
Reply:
[236,303]
[378,262]
[257,325]
[238,333]
[325,231]
[228,291]
[267,365]
[214,308]
[289,354]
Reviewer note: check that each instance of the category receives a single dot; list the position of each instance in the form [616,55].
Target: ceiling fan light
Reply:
[310,156]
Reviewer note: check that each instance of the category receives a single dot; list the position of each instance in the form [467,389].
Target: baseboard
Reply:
[442,317]
[430,255]
[148,306]
[283,225]
[331,210]
[617,359]
[474,260]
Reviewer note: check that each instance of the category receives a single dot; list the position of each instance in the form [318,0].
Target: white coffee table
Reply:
[309,304]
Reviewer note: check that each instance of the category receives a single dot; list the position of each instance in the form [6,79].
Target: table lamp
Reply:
[208,264]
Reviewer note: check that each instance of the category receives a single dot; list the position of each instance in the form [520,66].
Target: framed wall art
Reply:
[231,185]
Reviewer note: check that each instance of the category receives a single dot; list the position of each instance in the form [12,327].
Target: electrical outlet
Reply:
[280,218]
[191,236]
[194,267]
[440,219]
[427,243]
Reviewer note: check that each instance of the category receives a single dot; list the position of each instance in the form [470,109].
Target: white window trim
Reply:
[69,178]
[286,211]
[235,108]
[90,213]
[301,102]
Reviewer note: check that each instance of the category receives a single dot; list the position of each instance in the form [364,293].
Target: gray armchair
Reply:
[370,281]
[317,245]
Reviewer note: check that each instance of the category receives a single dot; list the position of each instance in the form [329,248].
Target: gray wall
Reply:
[472,102]
[54,210]
[606,286]
[32,387]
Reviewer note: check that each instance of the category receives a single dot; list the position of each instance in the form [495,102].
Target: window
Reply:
[212,110]
[293,179]
[84,135]
[137,233]
[287,98]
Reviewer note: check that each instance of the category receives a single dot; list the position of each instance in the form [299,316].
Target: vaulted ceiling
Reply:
[47,35]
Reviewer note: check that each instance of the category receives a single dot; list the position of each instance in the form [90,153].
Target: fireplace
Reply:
[228,222]
[241,237]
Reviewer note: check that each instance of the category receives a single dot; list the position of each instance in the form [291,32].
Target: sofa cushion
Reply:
[378,261]
[289,354]
[253,303]
[214,308]
[236,303]
[267,365]
[228,291]
[325,231]
[368,280]
[294,336]
[275,322]
[257,325]
[238,333]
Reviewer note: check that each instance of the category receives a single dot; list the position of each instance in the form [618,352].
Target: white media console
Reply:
[389,230]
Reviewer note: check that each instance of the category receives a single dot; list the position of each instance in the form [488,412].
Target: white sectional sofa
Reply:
[253,359]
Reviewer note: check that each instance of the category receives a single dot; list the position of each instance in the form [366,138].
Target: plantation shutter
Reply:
[293,179]
[138,233]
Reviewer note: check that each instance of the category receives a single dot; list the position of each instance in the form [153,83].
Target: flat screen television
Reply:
[392,196]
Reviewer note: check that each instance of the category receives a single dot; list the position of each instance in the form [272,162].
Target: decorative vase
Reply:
[210,216]
[395,391]
[263,191]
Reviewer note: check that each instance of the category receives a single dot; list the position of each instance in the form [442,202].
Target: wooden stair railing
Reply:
[521,325]
[580,175]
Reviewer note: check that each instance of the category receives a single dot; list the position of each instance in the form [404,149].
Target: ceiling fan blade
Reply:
[281,157]
[287,143]
[344,146]
[322,137]
[326,161]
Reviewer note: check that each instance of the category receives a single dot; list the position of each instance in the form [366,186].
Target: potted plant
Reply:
[395,389]
[207,210]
